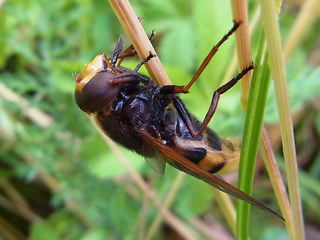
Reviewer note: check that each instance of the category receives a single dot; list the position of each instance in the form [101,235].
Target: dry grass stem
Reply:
[233,64]
[276,180]
[35,115]
[307,15]
[276,63]
[17,202]
[166,203]
[139,39]
[227,209]
[212,231]
[240,13]
[9,232]
[142,45]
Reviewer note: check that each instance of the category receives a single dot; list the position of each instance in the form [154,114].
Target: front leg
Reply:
[132,76]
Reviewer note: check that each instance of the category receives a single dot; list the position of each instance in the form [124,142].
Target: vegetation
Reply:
[59,179]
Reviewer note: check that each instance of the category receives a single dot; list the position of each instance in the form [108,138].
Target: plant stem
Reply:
[240,13]
[307,14]
[276,63]
[139,39]
[276,180]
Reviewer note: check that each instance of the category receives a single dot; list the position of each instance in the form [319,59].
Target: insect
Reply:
[153,121]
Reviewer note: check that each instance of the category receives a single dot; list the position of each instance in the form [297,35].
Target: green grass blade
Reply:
[255,111]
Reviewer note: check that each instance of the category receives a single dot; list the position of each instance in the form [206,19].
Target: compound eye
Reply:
[97,93]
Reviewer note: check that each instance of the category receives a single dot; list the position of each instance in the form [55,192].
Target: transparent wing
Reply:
[154,159]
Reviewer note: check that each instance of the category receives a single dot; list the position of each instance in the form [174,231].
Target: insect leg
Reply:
[130,51]
[127,77]
[185,89]
[213,106]
[151,55]
[118,48]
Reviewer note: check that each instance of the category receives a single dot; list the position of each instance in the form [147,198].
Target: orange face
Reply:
[93,91]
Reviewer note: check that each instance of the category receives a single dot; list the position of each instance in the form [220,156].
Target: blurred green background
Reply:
[59,179]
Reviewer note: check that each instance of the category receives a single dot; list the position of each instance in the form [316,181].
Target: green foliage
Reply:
[185,199]
[70,178]
[57,226]
[296,82]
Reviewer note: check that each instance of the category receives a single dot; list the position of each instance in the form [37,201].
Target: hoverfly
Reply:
[153,121]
